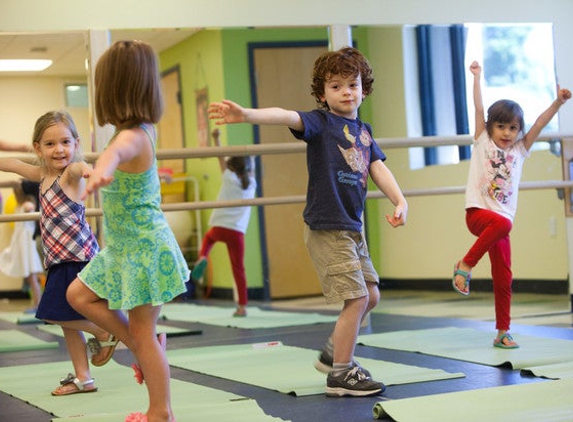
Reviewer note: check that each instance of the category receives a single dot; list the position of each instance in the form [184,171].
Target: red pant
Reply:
[492,230]
[235,241]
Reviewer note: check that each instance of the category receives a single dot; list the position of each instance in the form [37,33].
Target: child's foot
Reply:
[102,351]
[240,312]
[136,417]
[505,341]
[199,269]
[461,278]
[72,385]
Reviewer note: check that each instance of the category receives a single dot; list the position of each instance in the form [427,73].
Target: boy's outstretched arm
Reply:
[544,118]
[384,179]
[226,112]
[475,68]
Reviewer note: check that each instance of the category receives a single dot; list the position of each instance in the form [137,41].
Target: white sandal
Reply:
[80,385]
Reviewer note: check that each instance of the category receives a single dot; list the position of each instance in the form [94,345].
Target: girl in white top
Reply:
[21,258]
[228,225]
[500,148]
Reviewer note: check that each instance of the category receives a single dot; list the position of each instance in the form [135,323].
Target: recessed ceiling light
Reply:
[15,65]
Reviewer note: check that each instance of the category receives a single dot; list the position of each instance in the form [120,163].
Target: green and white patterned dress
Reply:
[141,262]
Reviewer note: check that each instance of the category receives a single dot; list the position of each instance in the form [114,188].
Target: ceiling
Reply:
[67,50]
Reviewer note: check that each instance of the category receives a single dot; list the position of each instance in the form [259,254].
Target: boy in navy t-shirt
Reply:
[341,154]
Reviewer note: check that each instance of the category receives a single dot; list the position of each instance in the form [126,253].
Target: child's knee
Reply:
[373,295]
[73,294]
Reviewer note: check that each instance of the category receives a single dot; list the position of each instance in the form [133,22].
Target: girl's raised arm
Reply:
[475,68]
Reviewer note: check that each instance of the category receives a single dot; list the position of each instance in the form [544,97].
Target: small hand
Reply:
[475,68]
[226,112]
[95,183]
[563,94]
[398,218]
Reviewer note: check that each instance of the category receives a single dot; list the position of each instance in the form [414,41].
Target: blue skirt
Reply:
[53,304]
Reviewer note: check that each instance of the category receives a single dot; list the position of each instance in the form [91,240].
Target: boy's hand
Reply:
[475,68]
[398,218]
[226,112]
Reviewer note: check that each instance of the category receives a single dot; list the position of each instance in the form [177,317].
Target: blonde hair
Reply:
[50,119]
[127,85]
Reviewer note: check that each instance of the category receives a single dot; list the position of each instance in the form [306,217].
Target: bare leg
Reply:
[76,345]
[35,289]
[152,360]
[96,309]
[102,335]
[346,329]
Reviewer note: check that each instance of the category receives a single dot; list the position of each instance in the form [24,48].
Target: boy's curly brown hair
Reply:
[348,61]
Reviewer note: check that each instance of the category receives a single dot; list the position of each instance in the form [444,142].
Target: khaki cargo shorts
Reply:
[342,262]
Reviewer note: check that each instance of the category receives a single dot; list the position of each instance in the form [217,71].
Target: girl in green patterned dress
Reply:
[141,266]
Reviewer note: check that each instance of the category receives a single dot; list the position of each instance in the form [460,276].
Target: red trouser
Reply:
[235,241]
[492,230]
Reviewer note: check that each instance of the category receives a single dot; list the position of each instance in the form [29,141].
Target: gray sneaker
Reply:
[352,382]
[324,364]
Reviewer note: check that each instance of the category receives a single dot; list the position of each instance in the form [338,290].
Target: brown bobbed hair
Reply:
[127,85]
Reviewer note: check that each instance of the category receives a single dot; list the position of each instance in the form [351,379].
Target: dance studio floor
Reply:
[442,318]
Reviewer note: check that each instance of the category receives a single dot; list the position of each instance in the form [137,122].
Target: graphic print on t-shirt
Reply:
[357,157]
[499,176]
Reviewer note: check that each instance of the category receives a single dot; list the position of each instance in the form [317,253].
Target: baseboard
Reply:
[13,294]
[478,285]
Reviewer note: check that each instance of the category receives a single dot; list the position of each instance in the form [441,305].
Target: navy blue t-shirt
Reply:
[338,156]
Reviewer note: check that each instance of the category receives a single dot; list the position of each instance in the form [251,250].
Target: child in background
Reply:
[141,267]
[21,257]
[228,225]
[341,154]
[67,240]
[501,145]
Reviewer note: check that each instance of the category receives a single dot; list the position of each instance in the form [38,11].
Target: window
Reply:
[76,95]
[517,62]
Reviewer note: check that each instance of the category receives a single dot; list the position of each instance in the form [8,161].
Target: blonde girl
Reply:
[68,241]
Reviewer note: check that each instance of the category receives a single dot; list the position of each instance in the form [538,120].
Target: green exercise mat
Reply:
[161,328]
[470,345]
[537,401]
[241,410]
[118,394]
[554,371]
[257,318]
[19,318]
[287,369]
[14,340]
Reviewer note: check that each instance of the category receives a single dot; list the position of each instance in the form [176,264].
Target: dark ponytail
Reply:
[242,167]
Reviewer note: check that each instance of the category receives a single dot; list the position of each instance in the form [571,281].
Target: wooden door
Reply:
[283,80]
[170,135]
